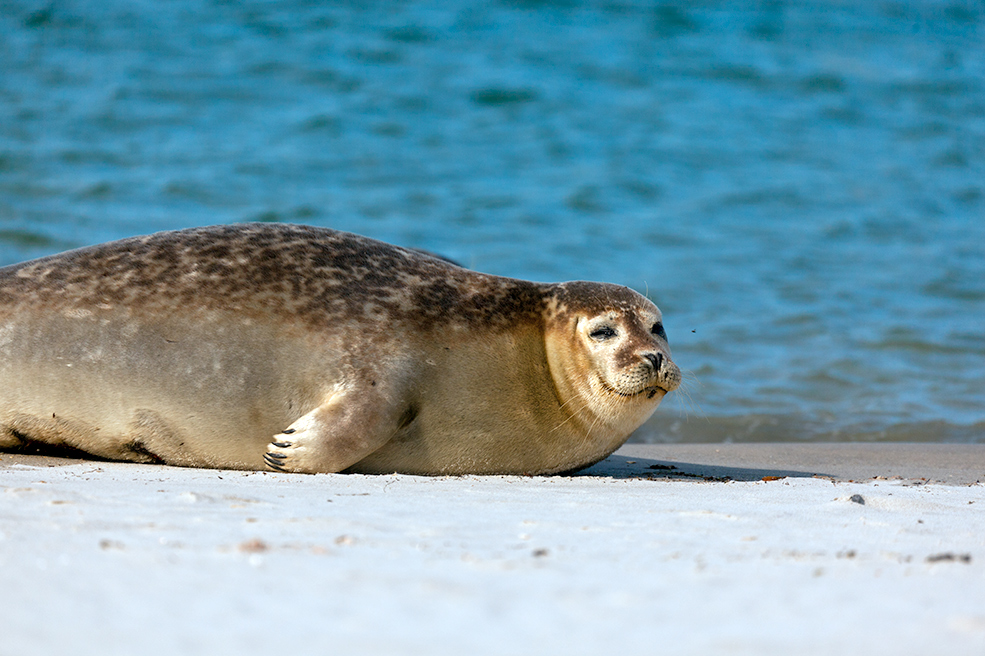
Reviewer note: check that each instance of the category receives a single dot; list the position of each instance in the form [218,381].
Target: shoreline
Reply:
[948,464]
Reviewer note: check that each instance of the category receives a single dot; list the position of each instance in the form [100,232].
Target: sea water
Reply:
[799,186]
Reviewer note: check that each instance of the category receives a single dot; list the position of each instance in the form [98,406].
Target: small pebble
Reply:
[256,545]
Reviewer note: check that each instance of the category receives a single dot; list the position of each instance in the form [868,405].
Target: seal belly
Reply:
[482,406]
[203,392]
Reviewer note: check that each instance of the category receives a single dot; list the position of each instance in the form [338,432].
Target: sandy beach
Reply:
[737,549]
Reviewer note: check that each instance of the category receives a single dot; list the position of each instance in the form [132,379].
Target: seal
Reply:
[305,349]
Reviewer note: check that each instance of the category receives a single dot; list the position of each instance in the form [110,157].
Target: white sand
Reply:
[107,558]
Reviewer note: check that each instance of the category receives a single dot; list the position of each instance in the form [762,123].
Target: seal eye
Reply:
[658,330]
[602,334]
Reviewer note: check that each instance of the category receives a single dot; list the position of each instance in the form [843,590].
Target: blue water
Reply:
[799,186]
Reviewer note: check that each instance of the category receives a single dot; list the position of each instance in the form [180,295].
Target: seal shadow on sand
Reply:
[615,466]
[627,467]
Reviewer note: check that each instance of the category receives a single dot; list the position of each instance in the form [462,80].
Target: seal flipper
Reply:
[335,435]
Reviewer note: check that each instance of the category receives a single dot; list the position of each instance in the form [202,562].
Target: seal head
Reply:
[609,357]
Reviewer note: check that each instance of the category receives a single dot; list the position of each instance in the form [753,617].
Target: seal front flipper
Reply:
[335,435]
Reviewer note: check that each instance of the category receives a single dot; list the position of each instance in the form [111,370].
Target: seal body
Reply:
[305,349]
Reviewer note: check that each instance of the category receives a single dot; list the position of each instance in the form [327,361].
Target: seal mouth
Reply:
[652,391]
[649,390]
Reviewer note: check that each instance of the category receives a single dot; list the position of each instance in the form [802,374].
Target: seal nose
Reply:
[656,360]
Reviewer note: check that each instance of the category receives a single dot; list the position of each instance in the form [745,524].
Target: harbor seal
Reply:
[305,349]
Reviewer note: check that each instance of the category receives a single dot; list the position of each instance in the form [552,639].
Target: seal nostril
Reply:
[656,359]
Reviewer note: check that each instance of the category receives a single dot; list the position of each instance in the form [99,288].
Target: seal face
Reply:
[311,350]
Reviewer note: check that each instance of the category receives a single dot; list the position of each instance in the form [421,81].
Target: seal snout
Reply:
[667,375]
[656,360]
